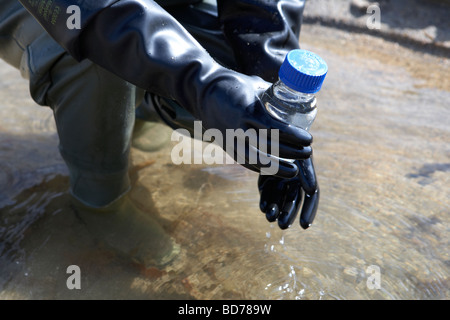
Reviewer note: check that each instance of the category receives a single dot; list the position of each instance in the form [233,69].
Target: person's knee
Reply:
[97,189]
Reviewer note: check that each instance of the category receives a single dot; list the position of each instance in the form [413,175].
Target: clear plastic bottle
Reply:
[292,98]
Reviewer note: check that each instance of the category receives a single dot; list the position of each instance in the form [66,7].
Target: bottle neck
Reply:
[283,92]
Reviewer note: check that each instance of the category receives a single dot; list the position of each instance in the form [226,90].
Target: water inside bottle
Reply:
[299,113]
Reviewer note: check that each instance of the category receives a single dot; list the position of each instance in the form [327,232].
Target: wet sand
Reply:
[381,149]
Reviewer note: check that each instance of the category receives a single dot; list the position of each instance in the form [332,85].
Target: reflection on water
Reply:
[382,160]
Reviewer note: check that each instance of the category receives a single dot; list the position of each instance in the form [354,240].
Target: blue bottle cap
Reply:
[303,71]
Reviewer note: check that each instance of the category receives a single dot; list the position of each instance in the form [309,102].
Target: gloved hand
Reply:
[143,44]
[281,199]
[261,33]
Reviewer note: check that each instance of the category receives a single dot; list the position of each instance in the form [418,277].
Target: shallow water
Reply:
[381,150]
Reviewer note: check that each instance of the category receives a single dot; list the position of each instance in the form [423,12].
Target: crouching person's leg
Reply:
[94,113]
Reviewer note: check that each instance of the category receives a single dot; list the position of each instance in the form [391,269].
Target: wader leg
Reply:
[94,114]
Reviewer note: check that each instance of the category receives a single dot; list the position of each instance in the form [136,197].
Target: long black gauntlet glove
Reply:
[261,33]
[140,42]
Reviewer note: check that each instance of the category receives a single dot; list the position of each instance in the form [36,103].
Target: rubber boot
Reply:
[130,232]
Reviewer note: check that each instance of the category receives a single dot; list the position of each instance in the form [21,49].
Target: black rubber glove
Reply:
[143,44]
[261,33]
[281,199]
